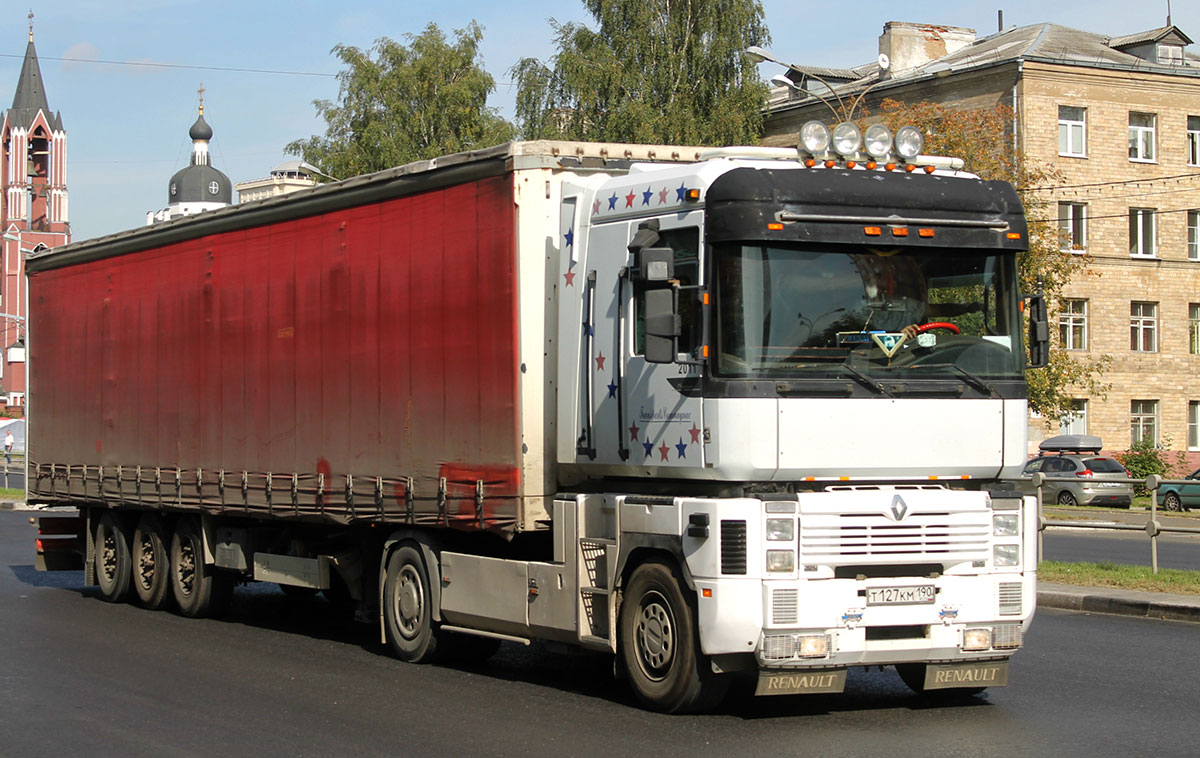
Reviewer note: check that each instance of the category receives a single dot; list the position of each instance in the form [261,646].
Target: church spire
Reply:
[30,95]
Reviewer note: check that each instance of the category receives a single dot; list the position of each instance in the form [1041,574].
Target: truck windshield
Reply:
[816,311]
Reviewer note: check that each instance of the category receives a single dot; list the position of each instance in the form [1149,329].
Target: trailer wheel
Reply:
[151,563]
[408,617]
[113,563]
[660,644]
[913,675]
[199,589]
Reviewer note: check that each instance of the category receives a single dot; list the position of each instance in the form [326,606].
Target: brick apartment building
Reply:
[1119,118]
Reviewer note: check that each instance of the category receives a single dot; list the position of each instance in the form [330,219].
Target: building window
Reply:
[1193,140]
[1072,324]
[1194,328]
[1194,425]
[1141,136]
[1143,421]
[1143,327]
[1170,55]
[1142,237]
[1072,227]
[1075,422]
[1072,130]
[1193,224]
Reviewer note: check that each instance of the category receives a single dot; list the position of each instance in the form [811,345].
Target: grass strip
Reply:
[1121,576]
[7,493]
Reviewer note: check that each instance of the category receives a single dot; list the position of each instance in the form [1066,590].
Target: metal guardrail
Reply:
[1152,528]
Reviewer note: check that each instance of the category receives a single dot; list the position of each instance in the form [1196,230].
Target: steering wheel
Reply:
[938,325]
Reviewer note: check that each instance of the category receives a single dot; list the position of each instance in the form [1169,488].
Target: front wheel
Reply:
[407,613]
[913,675]
[1171,502]
[660,644]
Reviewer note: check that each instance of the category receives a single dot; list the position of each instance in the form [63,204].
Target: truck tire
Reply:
[913,675]
[660,647]
[199,590]
[113,563]
[151,562]
[408,617]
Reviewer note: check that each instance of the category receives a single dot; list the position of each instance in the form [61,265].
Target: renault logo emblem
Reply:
[899,508]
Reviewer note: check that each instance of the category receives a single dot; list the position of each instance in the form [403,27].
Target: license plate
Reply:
[925,593]
[801,682]
[968,675]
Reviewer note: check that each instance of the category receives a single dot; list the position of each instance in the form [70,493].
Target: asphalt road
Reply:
[1095,546]
[292,678]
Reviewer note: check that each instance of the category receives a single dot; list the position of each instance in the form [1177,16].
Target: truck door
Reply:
[662,415]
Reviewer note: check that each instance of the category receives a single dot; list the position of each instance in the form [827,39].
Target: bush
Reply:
[1143,459]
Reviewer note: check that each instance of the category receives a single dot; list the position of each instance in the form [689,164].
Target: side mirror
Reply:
[1039,332]
[662,325]
[656,264]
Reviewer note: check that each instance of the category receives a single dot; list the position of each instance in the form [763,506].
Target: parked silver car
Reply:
[1077,456]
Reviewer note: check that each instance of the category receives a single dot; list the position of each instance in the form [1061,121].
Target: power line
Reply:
[1109,184]
[1114,215]
[150,64]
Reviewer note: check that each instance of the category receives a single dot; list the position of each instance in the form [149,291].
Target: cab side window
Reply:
[685,243]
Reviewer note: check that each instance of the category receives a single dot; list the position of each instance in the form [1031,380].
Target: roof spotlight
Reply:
[814,137]
[879,141]
[847,139]
[909,142]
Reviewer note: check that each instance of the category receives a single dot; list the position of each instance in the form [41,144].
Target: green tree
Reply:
[402,103]
[982,137]
[652,71]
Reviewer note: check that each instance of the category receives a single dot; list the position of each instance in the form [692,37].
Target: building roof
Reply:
[1169,33]
[200,130]
[1047,43]
[196,184]
[30,96]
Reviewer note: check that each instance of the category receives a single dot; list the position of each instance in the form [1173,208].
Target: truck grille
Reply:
[860,527]
[733,547]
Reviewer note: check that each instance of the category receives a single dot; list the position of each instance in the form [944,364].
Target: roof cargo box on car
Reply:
[1071,443]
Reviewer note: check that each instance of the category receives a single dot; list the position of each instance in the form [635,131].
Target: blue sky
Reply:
[127,125]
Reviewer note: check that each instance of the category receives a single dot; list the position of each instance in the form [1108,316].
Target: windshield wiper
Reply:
[865,380]
[967,376]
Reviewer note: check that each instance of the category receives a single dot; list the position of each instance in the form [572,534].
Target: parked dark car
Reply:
[1180,497]
[1077,456]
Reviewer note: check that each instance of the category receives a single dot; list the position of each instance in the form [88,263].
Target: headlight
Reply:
[812,645]
[781,529]
[1006,555]
[847,139]
[977,639]
[879,141]
[814,137]
[781,560]
[909,142]
[1005,525]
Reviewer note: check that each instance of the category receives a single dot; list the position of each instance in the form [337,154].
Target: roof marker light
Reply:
[899,231]
[830,163]
[872,165]
[930,169]
[872,231]
[775,226]
[809,162]
[1013,235]
[693,195]
[924,232]
[889,167]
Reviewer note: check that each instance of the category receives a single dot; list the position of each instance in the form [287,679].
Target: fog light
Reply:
[812,646]
[977,639]
[1005,525]
[781,529]
[778,647]
[1007,636]
[909,142]
[847,139]
[781,560]
[879,140]
[1006,555]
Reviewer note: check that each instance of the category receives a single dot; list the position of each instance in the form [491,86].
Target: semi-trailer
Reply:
[710,411]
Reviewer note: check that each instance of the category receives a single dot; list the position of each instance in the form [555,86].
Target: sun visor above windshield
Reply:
[858,207]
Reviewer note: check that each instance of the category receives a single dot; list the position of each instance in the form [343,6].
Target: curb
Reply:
[1139,604]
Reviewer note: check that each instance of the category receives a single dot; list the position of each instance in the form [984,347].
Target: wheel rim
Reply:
[408,602]
[1064,498]
[186,574]
[1172,502]
[108,554]
[655,635]
[145,562]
